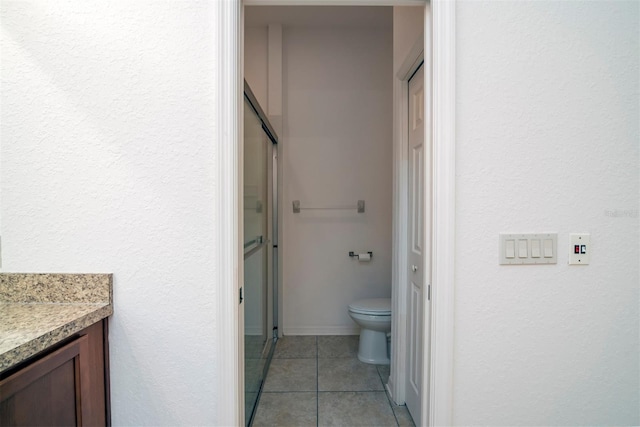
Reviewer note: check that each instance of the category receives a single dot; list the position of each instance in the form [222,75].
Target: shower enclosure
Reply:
[260,248]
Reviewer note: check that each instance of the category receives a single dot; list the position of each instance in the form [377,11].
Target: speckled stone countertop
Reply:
[40,310]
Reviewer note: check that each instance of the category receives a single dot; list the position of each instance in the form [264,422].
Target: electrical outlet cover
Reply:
[579,249]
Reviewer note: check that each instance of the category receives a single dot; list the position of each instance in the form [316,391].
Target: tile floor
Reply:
[319,381]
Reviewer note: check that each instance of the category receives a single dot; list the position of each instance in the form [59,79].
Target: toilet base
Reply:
[373,347]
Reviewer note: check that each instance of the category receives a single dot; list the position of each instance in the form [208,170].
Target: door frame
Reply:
[439,35]
[397,383]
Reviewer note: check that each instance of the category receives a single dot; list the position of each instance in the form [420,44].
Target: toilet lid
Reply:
[379,306]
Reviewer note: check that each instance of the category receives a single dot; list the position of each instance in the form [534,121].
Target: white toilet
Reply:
[374,318]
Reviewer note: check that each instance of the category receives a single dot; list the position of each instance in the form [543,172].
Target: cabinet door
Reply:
[64,388]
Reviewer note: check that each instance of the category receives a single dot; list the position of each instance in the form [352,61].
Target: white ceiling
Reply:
[326,16]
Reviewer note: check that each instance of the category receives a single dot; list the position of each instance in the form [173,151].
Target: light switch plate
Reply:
[528,248]
[579,249]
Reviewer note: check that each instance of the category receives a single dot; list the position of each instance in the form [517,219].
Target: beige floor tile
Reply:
[287,409]
[347,375]
[351,392]
[296,347]
[249,402]
[253,372]
[338,346]
[383,370]
[403,416]
[254,346]
[354,409]
[292,375]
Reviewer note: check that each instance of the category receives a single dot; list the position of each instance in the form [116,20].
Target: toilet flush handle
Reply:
[414,268]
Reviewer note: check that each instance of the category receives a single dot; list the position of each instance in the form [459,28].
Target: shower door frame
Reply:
[271,239]
[439,31]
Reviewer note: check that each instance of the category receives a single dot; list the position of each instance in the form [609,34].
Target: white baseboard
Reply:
[322,330]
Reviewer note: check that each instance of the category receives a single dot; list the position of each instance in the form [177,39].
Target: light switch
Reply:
[522,248]
[535,248]
[527,248]
[510,249]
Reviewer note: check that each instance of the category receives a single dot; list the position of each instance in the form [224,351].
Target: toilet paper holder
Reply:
[352,254]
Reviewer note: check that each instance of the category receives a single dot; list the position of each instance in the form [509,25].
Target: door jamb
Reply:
[443,76]
[440,34]
[228,381]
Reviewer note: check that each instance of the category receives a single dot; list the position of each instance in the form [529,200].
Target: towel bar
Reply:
[359,207]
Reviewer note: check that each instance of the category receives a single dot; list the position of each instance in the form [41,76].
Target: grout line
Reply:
[317,390]
[388,398]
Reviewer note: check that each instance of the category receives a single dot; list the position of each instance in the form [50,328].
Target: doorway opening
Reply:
[439,38]
[326,78]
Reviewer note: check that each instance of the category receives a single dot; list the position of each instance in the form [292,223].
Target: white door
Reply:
[418,295]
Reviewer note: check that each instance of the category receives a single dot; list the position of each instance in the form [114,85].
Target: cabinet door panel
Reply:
[50,398]
[66,387]
[48,390]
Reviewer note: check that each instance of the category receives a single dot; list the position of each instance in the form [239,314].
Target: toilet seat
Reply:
[372,306]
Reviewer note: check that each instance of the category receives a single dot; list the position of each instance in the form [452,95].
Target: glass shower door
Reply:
[257,332]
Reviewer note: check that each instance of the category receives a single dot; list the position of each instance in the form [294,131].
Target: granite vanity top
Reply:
[40,310]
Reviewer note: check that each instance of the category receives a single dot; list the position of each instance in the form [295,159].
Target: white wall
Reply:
[108,166]
[547,140]
[408,26]
[256,63]
[337,149]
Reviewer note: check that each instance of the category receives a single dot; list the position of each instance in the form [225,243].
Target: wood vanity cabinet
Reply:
[66,385]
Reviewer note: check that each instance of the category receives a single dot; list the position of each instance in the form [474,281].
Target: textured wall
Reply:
[107,166]
[337,149]
[104,168]
[547,140]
